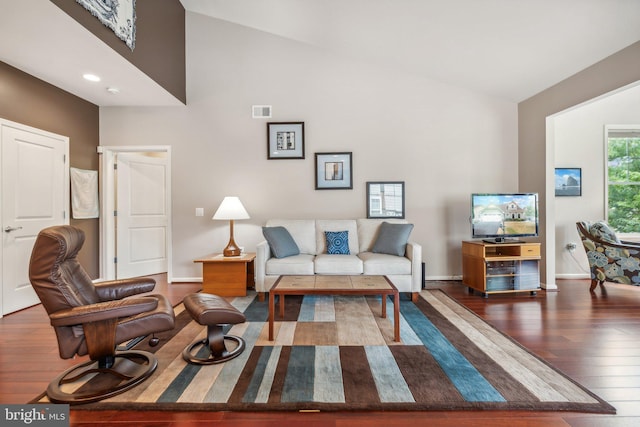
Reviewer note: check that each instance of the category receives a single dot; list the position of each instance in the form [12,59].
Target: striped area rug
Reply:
[337,353]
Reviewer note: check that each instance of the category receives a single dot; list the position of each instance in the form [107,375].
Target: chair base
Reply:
[216,352]
[129,369]
[595,283]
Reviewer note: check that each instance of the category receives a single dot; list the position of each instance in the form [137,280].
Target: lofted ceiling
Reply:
[510,49]
[40,39]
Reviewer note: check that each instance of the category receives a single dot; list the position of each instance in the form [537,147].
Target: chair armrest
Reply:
[621,245]
[117,289]
[627,243]
[414,253]
[263,253]
[102,311]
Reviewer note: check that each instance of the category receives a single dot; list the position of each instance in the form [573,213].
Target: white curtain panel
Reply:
[84,193]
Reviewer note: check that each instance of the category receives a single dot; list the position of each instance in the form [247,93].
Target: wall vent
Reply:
[261,111]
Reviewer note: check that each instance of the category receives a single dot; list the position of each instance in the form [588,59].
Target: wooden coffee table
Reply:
[335,285]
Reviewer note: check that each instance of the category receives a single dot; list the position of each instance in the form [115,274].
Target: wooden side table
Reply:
[228,276]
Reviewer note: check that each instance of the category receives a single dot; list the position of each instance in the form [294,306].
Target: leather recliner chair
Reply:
[93,319]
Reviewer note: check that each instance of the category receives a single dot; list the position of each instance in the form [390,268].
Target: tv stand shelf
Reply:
[492,268]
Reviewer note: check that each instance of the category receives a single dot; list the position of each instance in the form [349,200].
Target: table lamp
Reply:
[231,208]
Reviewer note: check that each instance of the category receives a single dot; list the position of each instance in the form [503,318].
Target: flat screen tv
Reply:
[504,217]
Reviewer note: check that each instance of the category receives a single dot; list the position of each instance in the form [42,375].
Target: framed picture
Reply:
[334,171]
[285,140]
[385,199]
[568,181]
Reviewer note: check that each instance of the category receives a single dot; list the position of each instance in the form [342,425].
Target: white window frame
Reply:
[609,129]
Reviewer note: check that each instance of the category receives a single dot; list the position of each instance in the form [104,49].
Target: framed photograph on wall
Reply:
[285,140]
[568,181]
[334,171]
[385,199]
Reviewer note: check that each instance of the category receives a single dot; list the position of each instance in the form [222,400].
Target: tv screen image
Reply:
[500,217]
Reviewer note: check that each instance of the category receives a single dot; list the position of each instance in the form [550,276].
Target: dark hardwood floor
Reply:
[592,337]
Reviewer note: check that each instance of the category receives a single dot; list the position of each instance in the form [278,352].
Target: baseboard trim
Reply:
[549,286]
[186,280]
[573,276]
[428,278]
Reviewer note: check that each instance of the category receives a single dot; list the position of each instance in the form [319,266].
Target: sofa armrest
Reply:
[263,253]
[414,253]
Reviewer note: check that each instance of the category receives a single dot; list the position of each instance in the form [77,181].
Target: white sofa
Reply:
[404,271]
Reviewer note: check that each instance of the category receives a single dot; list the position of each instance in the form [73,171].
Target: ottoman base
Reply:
[214,312]
[215,346]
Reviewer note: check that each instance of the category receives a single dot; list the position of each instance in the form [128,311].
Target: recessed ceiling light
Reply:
[113,90]
[91,77]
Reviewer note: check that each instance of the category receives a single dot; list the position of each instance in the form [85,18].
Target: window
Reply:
[623,178]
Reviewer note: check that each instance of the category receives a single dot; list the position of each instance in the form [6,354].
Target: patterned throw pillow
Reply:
[337,242]
[602,231]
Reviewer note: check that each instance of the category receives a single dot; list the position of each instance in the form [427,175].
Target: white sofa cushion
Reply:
[348,225]
[338,264]
[368,231]
[297,265]
[383,264]
[303,232]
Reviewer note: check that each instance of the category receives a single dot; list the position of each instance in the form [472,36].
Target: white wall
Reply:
[579,142]
[444,142]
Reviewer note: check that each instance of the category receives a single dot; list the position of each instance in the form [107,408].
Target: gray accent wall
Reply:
[33,102]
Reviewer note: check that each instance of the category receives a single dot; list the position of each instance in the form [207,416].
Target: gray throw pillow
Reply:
[280,241]
[392,239]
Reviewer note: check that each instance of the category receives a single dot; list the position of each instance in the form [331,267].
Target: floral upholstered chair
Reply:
[610,259]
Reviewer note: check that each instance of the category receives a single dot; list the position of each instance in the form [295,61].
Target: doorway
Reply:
[135,220]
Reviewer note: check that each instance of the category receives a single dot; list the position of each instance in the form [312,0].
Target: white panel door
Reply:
[142,215]
[35,182]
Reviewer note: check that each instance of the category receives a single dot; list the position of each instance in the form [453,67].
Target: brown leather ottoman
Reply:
[213,312]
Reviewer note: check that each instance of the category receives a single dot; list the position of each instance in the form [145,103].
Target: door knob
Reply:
[8,229]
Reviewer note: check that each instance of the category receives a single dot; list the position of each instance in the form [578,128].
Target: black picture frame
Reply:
[285,140]
[385,199]
[334,171]
[568,182]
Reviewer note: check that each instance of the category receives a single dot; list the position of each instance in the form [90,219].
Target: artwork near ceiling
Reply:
[119,15]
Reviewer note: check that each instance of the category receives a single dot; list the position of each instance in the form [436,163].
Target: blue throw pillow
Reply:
[602,231]
[280,241]
[337,242]
[392,239]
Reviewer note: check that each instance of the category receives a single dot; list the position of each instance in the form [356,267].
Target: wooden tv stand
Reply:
[492,268]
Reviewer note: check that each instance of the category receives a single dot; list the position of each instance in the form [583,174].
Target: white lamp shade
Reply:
[231,208]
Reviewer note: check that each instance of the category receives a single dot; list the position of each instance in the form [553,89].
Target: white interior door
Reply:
[35,182]
[142,214]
